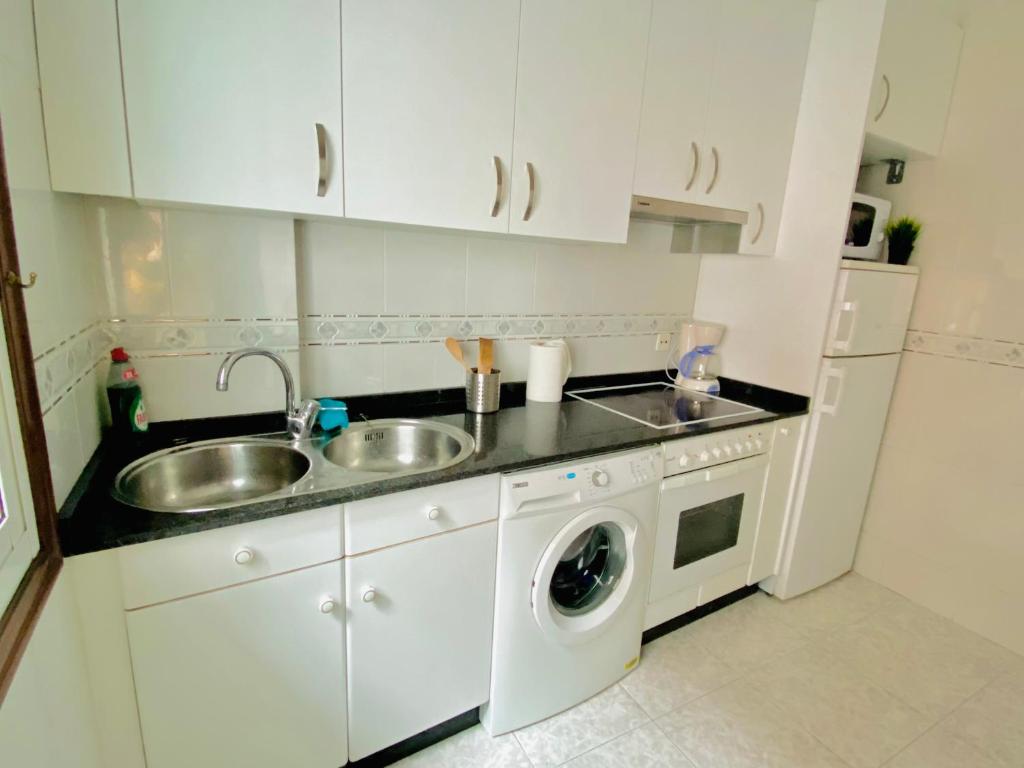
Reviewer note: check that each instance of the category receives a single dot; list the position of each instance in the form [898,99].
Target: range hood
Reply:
[699,228]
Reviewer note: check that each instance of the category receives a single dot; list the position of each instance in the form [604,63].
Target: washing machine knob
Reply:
[599,478]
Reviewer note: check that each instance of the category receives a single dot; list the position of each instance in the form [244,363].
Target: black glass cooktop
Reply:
[662,405]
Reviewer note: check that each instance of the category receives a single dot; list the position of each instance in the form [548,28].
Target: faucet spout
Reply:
[300,418]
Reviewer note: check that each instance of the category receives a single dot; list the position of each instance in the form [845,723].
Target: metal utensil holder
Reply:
[483,391]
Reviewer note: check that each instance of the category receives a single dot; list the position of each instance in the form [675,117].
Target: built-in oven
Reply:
[707,518]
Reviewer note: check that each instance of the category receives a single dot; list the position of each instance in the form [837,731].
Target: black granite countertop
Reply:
[519,436]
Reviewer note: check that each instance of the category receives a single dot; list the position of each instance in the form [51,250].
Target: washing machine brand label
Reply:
[521,484]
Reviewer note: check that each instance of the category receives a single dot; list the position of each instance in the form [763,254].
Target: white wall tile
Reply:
[340,268]
[425,272]
[64,445]
[91,410]
[500,275]
[183,387]
[135,259]
[230,265]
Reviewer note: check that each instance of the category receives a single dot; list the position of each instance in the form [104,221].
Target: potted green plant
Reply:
[901,234]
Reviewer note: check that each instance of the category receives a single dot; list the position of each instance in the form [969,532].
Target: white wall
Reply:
[945,522]
[776,309]
[46,718]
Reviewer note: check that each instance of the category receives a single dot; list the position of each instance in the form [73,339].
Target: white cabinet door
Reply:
[234,102]
[870,313]
[671,150]
[918,59]
[758,80]
[777,491]
[419,634]
[851,403]
[80,82]
[429,95]
[252,675]
[577,115]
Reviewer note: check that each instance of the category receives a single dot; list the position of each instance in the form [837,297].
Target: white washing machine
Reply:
[575,548]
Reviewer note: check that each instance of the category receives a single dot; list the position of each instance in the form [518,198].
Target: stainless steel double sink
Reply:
[219,474]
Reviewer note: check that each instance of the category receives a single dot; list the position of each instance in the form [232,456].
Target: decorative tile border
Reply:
[332,330]
[992,351]
[62,366]
[181,337]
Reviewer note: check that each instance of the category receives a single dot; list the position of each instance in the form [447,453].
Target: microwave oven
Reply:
[865,230]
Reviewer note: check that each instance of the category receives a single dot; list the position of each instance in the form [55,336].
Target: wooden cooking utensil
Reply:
[455,351]
[486,356]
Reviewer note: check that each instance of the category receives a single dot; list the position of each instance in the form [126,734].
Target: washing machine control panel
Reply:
[703,451]
[598,477]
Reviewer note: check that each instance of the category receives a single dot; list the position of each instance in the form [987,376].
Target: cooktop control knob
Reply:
[684,460]
[704,456]
[717,452]
[738,447]
[750,445]
[599,478]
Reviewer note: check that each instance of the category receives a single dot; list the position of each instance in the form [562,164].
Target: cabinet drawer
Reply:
[398,517]
[185,565]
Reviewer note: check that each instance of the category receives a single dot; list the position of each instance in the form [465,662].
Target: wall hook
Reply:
[15,280]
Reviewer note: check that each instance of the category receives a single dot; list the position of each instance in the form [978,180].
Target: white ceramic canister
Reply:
[550,366]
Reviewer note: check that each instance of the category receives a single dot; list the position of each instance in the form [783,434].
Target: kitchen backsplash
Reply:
[359,308]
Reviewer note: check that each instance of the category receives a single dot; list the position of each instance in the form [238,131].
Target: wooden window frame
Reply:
[26,605]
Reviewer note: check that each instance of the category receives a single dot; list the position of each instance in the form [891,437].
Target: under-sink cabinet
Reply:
[420,612]
[237,640]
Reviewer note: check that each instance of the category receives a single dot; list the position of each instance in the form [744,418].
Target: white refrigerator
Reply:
[855,383]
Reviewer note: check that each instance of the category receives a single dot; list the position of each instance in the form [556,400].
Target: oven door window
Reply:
[708,529]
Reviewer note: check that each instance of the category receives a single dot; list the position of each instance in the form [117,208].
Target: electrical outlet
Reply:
[662,342]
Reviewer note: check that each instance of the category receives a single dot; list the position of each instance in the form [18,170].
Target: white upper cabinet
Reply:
[429,93]
[917,65]
[80,81]
[671,150]
[235,102]
[721,97]
[577,114]
[758,80]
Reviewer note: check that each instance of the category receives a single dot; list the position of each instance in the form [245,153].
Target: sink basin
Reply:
[208,476]
[399,446]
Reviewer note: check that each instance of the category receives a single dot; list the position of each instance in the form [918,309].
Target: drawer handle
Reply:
[244,556]
[369,595]
[327,605]
[433,513]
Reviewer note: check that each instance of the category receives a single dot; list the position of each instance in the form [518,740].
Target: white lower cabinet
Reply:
[251,675]
[419,634]
[777,491]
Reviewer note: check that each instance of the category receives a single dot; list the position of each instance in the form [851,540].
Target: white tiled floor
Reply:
[848,676]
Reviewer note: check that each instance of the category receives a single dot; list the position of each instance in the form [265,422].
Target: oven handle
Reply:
[715,473]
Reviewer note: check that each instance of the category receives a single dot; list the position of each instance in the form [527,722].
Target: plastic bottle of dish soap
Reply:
[127,408]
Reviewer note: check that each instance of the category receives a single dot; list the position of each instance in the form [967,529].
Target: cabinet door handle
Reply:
[244,556]
[433,513]
[760,224]
[885,99]
[714,173]
[529,199]
[327,605]
[694,164]
[499,186]
[321,151]
[369,595]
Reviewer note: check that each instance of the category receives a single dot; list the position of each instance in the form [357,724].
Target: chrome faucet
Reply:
[301,418]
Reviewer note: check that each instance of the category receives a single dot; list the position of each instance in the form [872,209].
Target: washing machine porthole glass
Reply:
[588,570]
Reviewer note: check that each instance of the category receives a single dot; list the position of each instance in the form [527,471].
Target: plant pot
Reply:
[899,253]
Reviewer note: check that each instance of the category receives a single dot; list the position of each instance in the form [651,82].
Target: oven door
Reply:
[706,524]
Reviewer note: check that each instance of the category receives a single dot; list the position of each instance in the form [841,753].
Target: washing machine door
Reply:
[586,574]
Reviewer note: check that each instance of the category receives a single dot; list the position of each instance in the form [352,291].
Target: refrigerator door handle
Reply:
[829,405]
[846,308]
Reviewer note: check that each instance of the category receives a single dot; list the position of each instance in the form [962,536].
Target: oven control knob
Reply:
[727,449]
[758,443]
[750,445]
[737,447]
[716,452]
[704,456]
[684,460]
[599,478]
